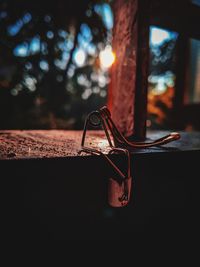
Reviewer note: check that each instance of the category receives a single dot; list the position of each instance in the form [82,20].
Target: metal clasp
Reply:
[119,190]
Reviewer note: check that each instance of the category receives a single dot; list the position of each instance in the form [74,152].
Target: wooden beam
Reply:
[181,72]
[128,90]
[142,71]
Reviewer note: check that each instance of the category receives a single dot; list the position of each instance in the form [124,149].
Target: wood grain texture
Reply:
[46,144]
[128,89]
[123,74]
[35,144]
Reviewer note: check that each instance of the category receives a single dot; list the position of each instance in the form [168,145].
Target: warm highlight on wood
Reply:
[35,144]
[129,72]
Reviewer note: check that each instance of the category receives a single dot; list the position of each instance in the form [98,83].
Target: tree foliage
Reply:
[41,85]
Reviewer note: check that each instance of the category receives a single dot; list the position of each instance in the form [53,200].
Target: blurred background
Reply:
[54,61]
[55,58]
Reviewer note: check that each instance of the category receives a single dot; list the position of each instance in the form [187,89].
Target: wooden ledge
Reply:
[31,144]
[50,192]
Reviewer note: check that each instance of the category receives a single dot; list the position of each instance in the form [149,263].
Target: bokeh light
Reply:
[107,57]
[79,57]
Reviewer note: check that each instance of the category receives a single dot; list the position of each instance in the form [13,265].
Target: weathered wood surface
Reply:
[46,144]
[58,143]
[50,193]
[129,73]
[123,73]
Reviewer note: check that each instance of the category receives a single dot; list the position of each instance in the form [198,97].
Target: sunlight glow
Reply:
[107,57]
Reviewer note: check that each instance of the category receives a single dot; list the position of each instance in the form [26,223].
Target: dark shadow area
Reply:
[52,200]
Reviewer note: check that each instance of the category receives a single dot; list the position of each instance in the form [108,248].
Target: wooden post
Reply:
[181,71]
[128,90]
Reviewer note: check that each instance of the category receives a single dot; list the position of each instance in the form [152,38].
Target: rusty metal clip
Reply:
[118,190]
[119,193]
[121,141]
